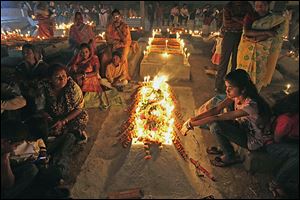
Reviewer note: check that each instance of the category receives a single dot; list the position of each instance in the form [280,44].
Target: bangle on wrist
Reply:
[190,127]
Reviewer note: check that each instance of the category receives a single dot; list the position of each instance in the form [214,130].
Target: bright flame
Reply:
[165,55]
[153,117]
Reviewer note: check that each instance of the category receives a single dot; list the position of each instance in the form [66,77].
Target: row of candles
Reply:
[165,54]
[17,35]
[194,33]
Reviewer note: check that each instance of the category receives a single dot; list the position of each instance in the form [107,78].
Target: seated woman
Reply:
[64,104]
[84,68]
[81,33]
[261,43]
[116,73]
[285,144]
[243,126]
[28,73]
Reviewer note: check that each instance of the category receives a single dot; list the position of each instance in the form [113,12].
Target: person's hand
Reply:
[186,127]
[58,125]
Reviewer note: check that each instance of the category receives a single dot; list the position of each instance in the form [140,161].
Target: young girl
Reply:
[84,68]
[243,126]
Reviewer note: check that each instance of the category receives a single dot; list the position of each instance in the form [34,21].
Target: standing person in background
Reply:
[81,33]
[261,43]
[103,15]
[198,18]
[151,15]
[207,19]
[174,15]
[233,16]
[45,19]
[159,13]
[184,15]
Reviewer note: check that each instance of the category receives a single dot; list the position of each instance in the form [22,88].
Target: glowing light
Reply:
[165,55]
[153,117]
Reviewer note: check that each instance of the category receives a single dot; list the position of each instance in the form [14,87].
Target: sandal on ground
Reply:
[214,151]
[276,190]
[219,162]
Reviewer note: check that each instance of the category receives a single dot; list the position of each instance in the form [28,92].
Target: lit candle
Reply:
[166,43]
[177,35]
[288,86]
[168,30]
[165,55]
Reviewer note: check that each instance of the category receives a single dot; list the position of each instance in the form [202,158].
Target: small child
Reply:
[216,58]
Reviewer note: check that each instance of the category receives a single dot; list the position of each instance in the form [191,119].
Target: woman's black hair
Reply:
[116,53]
[84,45]
[54,68]
[28,46]
[241,79]
[115,11]
[78,13]
[288,104]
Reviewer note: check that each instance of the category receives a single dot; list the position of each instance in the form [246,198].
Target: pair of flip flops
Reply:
[218,161]
[214,151]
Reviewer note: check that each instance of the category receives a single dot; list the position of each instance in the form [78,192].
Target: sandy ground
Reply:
[103,165]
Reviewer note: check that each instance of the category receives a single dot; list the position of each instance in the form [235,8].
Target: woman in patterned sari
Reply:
[63,105]
[81,33]
[84,68]
[261,44]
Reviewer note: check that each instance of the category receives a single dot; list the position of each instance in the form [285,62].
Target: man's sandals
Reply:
[221,162]
[214,151]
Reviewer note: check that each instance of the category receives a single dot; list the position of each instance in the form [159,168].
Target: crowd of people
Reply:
[43,110]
